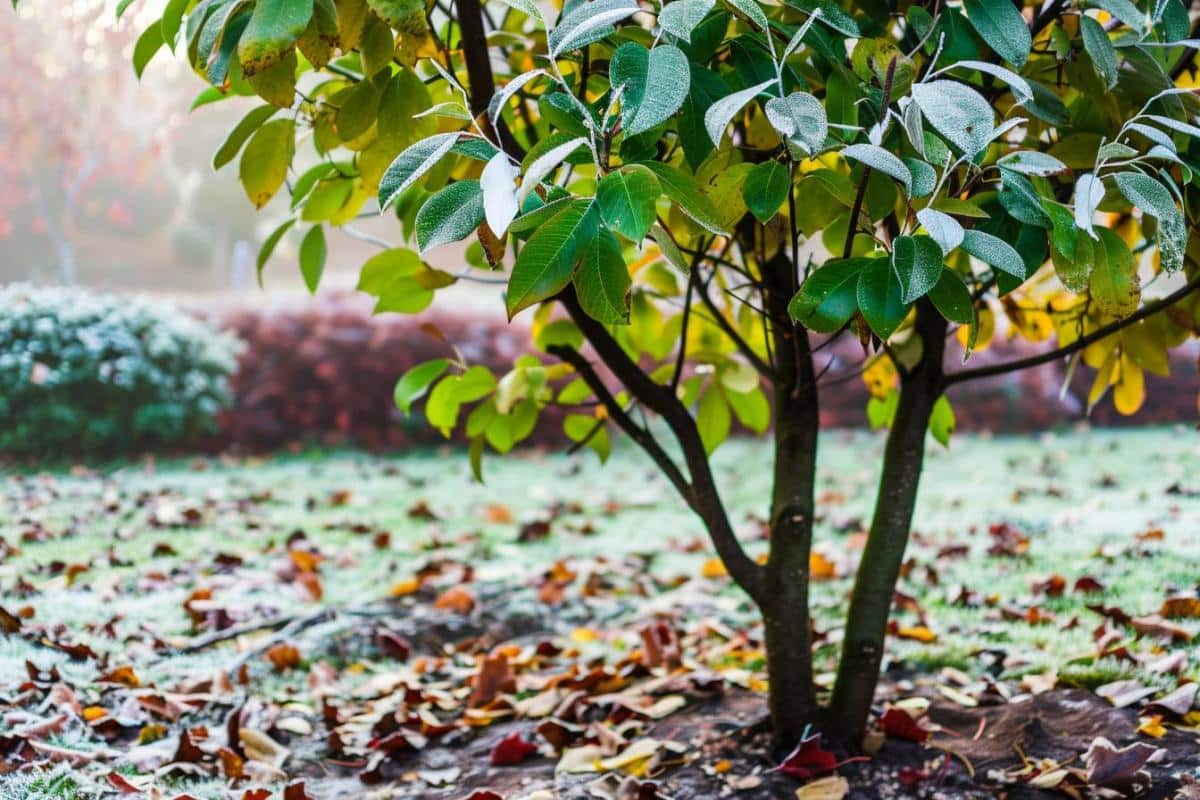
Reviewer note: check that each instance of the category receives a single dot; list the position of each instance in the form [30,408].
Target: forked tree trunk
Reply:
[786,622]
[875,583]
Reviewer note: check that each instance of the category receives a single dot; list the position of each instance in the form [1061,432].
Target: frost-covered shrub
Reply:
[83,372]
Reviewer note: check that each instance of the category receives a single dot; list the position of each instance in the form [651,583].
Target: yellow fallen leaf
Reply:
[713,568]
[93,713]
[821,568]
[917,633]
[405,588]
[584,635]
[835,787]
[634,758]
[1152,726]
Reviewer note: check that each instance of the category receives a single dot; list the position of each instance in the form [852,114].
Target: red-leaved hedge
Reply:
[323,373]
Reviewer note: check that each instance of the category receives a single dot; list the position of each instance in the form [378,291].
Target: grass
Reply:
[1081,499]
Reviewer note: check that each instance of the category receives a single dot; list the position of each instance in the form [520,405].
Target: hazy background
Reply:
[107,182]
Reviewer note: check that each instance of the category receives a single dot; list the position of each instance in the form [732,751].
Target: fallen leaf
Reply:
[835,787]
[512,750]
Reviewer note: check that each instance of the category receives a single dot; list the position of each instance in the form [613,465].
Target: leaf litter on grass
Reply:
[352,625]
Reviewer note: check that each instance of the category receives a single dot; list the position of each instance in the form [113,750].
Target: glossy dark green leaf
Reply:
[829,297]
[1002,27]
[450,215]
[918,264]
[626,200]
[880,298]
[547,262]
[952,298]
[602,281]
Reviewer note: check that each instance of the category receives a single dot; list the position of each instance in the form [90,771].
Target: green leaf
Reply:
[879,159]
[602,282]
[1002,27]
[274,27]
[683,189]
[547,261]
[722,112]
[800,120]
[880,297]
[240,133]
[957,112]
[149,43]
[829,297]
[121,6]
[411,165]
[450,215]
[706,88]
[751,409]
[172,20]
[399,280]
[277,83]
[952,298]
[653,84]
[766,187]
[680,17]
[994,252]
[626,200]
[941,420]
[1125,11]
[1100,48]
[266,159]
[268,247]
[1153,198]
[713,419]
[918,263]
[312,257]
[406,16]
[588,22]
[1115,286]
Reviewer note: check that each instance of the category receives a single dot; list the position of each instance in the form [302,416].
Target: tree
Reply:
[694,200]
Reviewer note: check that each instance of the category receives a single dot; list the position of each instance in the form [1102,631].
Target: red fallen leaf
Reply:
[296,791]
[392,644]
[256,794]
[910,776]
[121,784]
[810,760]
[188,751]
[898,723]
[483,794]
[512,750]
[1088,585]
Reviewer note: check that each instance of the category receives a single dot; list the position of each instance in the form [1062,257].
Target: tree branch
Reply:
[1147,310]
[702,494]
[478,58]
[618,415]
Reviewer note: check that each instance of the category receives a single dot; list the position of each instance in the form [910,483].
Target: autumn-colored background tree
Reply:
[695,199]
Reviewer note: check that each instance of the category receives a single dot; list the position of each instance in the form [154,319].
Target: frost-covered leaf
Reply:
[1033,162]
[752,11]
[800,121]
[1100,48]
[626,199]
[587,23]
[720,113]
[1021,89]
[879,159]
[450,215]
[546,163]
[918,263]
[994,251]
[943,228]
[653,84]
[680,17]
[1153,198]
[411,165]
[506,92]
[957,112]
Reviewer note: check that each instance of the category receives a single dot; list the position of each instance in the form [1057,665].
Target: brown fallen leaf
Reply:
[457,599]
[1108,765]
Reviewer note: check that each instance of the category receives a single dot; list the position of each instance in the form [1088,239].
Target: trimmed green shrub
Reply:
[95,374]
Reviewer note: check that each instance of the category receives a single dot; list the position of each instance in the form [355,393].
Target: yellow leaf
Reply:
[820,568]
[987,330]
[918,633]
[880,377]
[405,588]
[1152,726]
[713,568]
[93,713]
[1130,390]
[835,787]
[584,635]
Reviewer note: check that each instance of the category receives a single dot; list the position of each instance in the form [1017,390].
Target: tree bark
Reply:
[787,625]
[875,583]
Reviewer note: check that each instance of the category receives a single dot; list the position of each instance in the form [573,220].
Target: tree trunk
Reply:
[788,637]
[875,583]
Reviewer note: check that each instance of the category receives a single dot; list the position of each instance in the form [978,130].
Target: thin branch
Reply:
[1145,311]
[742,345]
[639,434]
[702,493]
